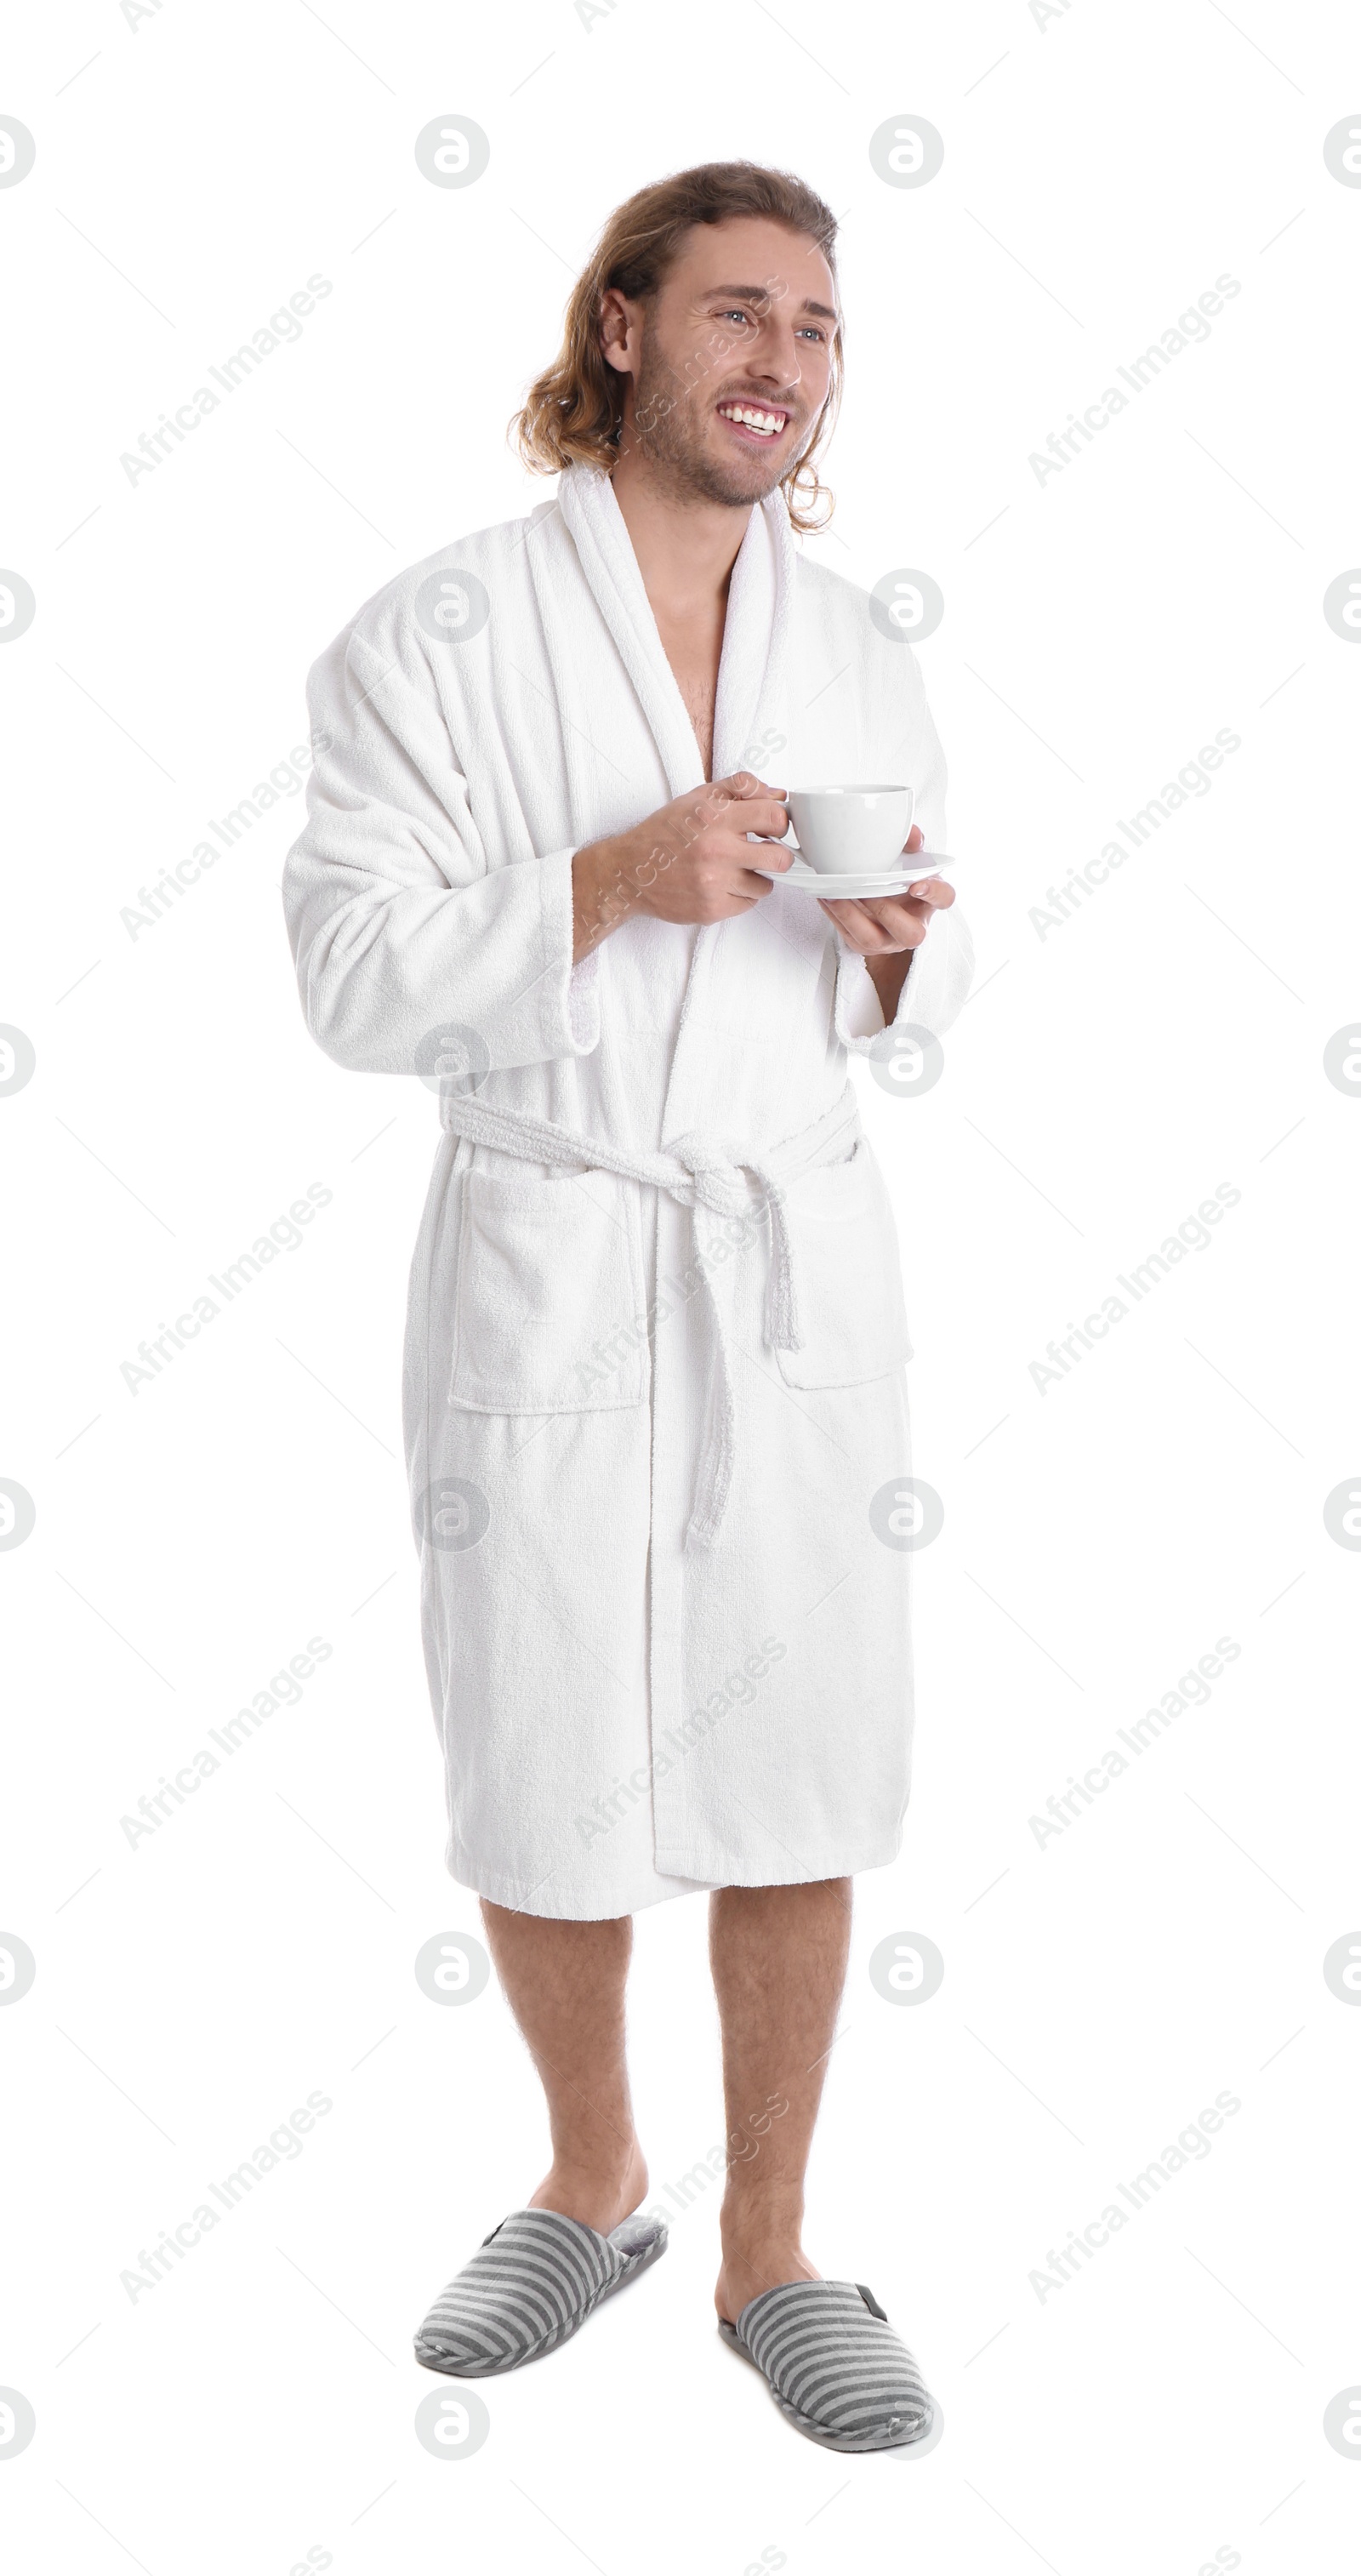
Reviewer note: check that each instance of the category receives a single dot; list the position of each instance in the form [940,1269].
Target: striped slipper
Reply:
[834,2365]
[529,2286]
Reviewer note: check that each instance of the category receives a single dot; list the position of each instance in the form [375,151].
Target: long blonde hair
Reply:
[573,412]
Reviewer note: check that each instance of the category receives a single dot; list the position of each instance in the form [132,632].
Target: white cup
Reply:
[851,831]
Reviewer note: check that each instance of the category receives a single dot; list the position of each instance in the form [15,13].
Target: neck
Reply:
[686,545]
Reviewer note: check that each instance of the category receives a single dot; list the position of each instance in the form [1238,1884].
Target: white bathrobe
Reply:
[654,1399]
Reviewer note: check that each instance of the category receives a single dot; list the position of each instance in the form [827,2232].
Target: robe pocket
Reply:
[848,1278]
[549,1311]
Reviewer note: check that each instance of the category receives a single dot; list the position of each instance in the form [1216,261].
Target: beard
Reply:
[668,427]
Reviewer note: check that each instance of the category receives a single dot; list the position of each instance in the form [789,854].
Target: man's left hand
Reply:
[884,929]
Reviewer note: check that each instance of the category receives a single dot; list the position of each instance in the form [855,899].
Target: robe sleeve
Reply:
[398,926]
[938,979]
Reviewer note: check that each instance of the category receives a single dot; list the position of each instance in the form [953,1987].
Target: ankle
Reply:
[597,2188]
[612,2160]
[749,2268]
[748,2224]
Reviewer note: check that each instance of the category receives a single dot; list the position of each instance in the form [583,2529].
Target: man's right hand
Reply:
[691,861]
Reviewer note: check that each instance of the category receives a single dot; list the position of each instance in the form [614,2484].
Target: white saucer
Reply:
[833,886]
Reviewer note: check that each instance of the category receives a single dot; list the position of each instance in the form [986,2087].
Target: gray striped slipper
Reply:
[834,2365]
[529,2286]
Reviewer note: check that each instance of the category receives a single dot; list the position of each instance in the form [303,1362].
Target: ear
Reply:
[616,331]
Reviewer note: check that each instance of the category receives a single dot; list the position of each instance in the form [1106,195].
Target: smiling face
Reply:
[729,363]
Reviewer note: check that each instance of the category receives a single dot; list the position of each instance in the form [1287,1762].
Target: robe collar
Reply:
[749,704]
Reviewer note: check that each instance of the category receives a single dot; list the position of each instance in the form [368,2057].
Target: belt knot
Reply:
[720,1183]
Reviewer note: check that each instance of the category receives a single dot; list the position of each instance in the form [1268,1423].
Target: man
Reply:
[654,1395]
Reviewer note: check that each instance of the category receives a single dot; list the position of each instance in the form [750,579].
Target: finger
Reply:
[907,921]
[910,920]
[856,925]
[914,839]
[877,927]
[935,892]
[744,782]
[756,814]
[770,854]
[749,881]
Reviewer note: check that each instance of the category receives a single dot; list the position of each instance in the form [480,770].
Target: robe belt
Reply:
[697,1172]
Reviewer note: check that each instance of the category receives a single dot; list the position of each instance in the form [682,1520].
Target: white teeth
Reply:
[767,422]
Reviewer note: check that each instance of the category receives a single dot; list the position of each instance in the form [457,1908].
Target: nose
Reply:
[779,352]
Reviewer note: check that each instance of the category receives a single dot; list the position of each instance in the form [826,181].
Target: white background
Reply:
[1167,2403]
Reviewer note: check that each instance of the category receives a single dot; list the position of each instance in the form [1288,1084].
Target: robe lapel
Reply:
[751,673]
[751,677]
[750,711]
[750,705]
[594,522]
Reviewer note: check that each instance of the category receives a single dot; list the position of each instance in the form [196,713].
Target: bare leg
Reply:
[779,1963]
[565,1985]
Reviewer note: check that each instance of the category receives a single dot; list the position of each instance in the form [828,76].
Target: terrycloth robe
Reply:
[654,1401]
